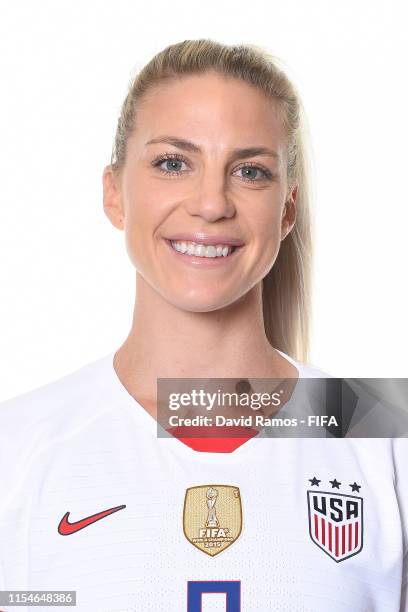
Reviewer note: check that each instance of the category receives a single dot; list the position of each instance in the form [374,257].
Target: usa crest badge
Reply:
[212,517]
[336,520]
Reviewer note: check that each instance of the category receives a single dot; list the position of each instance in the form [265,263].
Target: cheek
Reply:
[146,210]
[141,221]
[266,236]
[266,226]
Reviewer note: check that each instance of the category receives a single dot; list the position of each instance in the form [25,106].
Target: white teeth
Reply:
[201,250]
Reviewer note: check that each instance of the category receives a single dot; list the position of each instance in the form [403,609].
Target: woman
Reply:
[209,184]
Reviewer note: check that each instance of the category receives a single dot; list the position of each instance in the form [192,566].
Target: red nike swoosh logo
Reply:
[66,528]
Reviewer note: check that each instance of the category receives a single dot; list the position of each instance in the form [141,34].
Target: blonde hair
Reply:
[286,289]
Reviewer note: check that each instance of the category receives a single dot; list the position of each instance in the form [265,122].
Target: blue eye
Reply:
[171,165]
[265,174]
[171,160]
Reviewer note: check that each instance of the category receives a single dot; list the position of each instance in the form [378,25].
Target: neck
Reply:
[168,342]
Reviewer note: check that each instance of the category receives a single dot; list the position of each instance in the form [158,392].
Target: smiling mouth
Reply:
[197,249]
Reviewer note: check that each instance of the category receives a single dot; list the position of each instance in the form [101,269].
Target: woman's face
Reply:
[190,177]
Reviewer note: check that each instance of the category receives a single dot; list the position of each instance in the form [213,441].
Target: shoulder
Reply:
[65,397]
[48,414]
[306,370]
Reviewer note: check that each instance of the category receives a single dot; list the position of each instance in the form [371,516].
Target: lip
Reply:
[203,262]
[203,238]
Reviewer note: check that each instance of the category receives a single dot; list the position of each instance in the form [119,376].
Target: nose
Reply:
[211,200]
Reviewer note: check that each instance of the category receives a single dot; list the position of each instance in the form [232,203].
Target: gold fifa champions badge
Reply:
[212,517]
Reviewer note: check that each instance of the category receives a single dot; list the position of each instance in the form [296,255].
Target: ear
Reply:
[112,201]
[289,213]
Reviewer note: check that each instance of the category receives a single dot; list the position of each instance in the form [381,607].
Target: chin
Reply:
[199,302]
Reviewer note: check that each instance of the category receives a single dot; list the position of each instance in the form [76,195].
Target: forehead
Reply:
[210,107]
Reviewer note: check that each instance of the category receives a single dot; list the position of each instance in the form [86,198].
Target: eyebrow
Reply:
[187,145]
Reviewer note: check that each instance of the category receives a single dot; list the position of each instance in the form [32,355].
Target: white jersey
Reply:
[92,501]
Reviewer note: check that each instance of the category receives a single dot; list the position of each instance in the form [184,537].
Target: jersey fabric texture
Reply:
[282,524]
